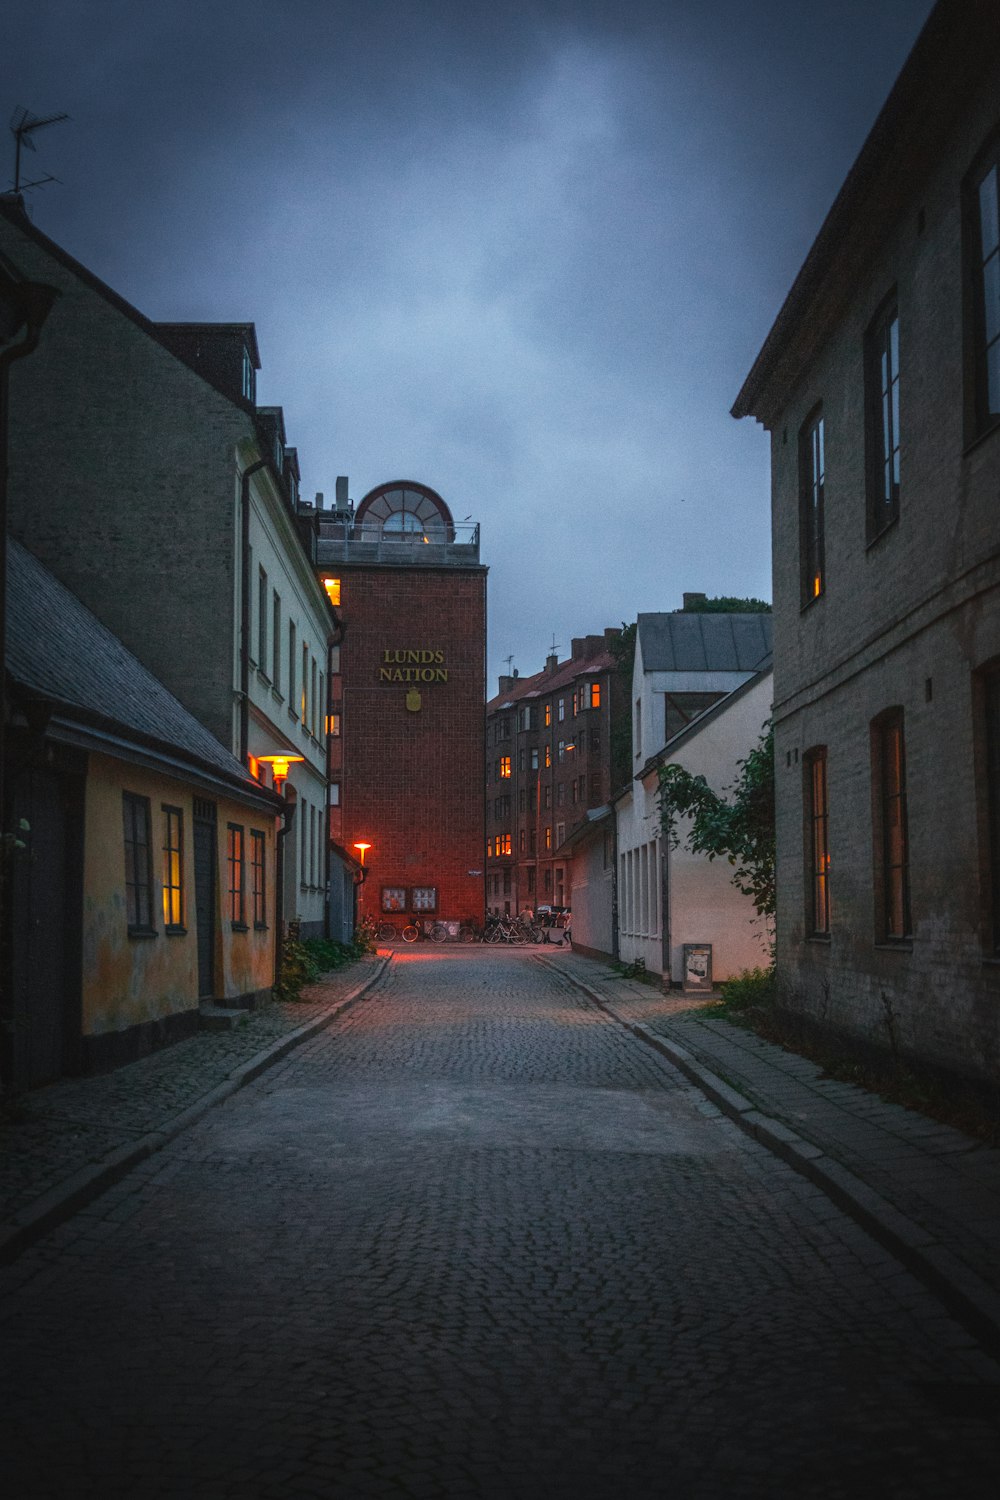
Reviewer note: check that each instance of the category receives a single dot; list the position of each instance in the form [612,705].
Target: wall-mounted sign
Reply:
[697,967]
[412,665]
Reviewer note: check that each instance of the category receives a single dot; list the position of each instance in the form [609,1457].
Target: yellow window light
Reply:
[332,586]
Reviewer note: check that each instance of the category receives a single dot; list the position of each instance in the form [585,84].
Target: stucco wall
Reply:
[130,981]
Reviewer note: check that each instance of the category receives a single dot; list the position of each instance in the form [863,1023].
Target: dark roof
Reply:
[543,683]
[948,63]
[58,651]
[683,642]
[591,823]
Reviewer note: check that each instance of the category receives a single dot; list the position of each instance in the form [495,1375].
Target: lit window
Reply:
[257,869]
[173,869]
[812,485]
[577,700]
[393,898]
[138,867]
[504,767]
[595,695]
[548,715]
[506,844]
[333,726]
[548,756]
[548,837]
[234,862]
[332,586]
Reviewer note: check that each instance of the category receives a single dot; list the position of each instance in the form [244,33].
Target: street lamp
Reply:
[279,766]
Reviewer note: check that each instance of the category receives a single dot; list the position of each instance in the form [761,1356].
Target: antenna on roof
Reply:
[553,648]
[22,123]
[509,660]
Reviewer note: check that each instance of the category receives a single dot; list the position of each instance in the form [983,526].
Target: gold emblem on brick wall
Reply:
[413,701]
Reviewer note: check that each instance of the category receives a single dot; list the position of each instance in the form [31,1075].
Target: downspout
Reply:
[245,478]
[288,816]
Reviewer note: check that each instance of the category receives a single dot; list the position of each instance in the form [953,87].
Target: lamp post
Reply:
[362,849]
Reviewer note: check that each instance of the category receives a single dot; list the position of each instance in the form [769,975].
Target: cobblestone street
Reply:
[475,1239]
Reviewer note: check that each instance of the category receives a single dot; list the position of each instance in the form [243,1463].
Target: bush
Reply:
[751,989]
[303,963]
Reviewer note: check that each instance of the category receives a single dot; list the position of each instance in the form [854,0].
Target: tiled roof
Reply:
[695,642]
[59,651]
[542,683]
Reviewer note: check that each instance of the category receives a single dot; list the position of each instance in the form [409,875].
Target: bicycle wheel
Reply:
[466,934]
[385,931]
[410,933]
[439,932]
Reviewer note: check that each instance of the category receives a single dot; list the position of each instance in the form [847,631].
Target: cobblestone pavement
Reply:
[931,1193]
[475,1239]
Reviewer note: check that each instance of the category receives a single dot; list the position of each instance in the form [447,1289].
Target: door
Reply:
[205,823]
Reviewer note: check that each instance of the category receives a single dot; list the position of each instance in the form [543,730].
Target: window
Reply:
[575,790]
[334,793]
[531,882]
[984,245]
[595,741]
[520,760]
[812,481]
[234,862]
[333,726]
[577,700]
[560,833]
[138,864]
[991,704]
[547,881]
[262,603]
[332,586]
[562,709]
[303,843]
[257,874]
[532,840]
[173,869]
[522,840]
[561,751]
[304,702]
[505,845]
[595,695]
[892,886]
[529,716]
[505,768]
[313,697]
[291,669]
[680,708]
[548,715]
[548,837]
[393,898]
[534,758]
[882,419]
[321,704]
[276,642]
[424,898]
[560,794]
[817,845]
[548,756]
[546,796]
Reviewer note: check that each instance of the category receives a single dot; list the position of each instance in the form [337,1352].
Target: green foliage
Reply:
[750,989]
[740,830]
[305,962]
[727,604]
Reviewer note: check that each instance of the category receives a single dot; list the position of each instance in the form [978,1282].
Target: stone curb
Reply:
[966,1296]
[68,1197]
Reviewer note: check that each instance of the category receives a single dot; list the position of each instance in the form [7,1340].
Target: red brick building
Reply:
[407,684]
[548,761]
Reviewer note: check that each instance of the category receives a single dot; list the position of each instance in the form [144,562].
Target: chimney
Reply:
[551,663]
[341,495]
[577,647]
[612,632]
[506,683]
[691,601]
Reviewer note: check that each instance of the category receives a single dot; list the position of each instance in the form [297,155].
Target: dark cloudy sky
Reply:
[524,251]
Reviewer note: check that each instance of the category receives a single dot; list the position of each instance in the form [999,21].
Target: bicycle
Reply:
[417,929]
[386,930]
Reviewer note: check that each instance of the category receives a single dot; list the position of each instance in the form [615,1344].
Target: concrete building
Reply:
[144,475]
[407,683]
[879,384]
[548,764]
[143,876]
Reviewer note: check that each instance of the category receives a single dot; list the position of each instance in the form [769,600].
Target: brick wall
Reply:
[413,778]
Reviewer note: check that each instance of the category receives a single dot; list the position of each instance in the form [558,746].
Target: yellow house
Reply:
[143,859]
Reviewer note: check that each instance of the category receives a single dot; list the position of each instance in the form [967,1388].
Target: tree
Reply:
[740,829]
[724,604]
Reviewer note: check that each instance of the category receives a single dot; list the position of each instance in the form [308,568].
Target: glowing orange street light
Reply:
[361,851]
[279,766]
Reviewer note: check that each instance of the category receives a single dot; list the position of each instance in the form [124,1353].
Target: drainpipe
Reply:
[288,816]
[245,478]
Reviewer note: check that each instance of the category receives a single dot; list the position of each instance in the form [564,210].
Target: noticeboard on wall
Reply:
[697,967]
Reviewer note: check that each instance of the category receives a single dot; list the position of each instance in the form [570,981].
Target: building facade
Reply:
[142,878]
[406,690]
[548,762]
[145,476]
[879,384]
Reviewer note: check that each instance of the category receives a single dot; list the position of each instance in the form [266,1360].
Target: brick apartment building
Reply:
[548,761]
[407,684]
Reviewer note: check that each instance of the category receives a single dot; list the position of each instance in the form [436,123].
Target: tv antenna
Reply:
[510,662]
[553,648]
[22,125]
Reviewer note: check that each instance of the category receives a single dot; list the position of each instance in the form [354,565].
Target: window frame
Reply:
[172,851]
[138,854]
[236,876]
[258,878]
[892,881]
[812,507]
[882,445]
[817,841]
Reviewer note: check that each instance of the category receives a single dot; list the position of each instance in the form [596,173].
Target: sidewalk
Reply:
[928,1193]
[82,1134]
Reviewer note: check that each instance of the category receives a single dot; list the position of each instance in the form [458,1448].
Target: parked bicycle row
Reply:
[499,928]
